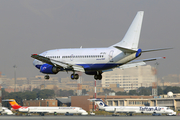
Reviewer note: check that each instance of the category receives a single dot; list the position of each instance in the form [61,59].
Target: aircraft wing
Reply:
[58,63]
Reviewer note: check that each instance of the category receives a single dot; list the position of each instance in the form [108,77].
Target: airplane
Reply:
[95,61]
[43,110]
[129,110]
[6,111]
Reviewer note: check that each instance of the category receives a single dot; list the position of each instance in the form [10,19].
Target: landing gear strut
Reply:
[46,77]
[74,76]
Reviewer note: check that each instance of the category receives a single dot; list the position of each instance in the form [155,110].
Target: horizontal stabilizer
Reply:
[128,65]
[8,100]
[125,66]
[95,99]
[146,60]
[126,50]
[150,50]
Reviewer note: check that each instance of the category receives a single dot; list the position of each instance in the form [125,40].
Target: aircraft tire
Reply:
[46,77]
[95,77]
[99,77]
[72,76]
[76,76]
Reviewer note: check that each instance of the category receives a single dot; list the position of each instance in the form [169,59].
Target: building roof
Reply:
[64,100]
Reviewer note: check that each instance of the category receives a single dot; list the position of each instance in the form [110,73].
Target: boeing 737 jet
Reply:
[43,110]
[132,109]
[95,61]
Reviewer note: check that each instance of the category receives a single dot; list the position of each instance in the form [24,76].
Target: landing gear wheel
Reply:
[97,77]
[46,77]
[74,76]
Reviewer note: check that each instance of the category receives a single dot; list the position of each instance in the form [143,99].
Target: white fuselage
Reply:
[91,59]
[74,110]
[132,109]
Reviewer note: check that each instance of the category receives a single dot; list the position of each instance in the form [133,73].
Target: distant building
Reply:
[84,103]
[130,78]
[43,102]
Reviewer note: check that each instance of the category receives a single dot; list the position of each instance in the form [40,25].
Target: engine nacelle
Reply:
[49,69]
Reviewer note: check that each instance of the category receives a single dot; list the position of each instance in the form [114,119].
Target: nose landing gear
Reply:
[46,77]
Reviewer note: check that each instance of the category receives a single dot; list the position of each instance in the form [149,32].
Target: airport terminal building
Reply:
[162,101]
[172,101]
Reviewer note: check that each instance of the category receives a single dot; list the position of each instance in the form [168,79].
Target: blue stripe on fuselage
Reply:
[98,66]
[93,66]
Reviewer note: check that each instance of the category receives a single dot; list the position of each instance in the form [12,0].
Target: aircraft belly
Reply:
[98,66]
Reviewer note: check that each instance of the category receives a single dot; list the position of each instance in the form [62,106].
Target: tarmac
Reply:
[98,117]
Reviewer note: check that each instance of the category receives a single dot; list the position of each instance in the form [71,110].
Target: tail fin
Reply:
[131,39]
[13,103]
[99,102]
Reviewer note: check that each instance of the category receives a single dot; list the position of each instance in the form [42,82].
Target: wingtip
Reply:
[164,57]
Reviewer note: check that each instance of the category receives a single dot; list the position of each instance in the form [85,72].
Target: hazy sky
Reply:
[34,26]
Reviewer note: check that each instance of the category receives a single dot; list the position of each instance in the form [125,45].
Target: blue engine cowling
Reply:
[49,69]
[138,53]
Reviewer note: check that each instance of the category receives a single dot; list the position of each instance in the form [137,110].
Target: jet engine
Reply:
[49,69]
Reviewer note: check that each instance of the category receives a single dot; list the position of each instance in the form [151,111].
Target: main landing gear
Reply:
[98,76]
[74,76]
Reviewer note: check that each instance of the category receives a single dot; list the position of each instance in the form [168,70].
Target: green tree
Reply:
[145,91]
[121,93]
[133,92]
[84,91]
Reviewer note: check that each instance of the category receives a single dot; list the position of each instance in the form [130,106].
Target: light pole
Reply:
[156,65]
[14,77]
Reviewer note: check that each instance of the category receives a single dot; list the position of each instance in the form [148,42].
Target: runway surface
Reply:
[89,117]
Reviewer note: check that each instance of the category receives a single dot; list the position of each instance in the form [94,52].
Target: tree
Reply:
[145,91]
[84,91]
[121,93]
[133,92]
